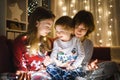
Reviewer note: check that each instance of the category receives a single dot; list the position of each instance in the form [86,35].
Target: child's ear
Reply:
[72,32]
[37,23]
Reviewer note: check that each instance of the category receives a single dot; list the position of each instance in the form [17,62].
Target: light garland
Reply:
[32,6]
[35,3]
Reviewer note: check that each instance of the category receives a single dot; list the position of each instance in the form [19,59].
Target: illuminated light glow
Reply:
[39,44]
[34,51]
[72,16]
[100,41]
[86,7]
[60,3]
[99,0]
[25,37]
[108,44]
[99,3]
[109,12]
[110,26]
[71,5]
[111,19]
[97,21]
[98,34]
[99,10]
[99,16]
[111,6]
[109,33]
[85,1]
[100,29]
[73,1]
[74,11]
[36,2]
[28,46]
[109,39]
[64,13]
[64,8]
[45,39]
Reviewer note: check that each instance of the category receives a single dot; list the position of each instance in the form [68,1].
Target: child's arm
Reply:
[81,55]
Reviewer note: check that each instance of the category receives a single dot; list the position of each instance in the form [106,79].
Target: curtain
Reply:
[106,16]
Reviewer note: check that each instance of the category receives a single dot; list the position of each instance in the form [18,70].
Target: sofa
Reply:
[6,54]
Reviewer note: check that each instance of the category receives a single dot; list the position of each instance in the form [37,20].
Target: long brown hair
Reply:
[39,14]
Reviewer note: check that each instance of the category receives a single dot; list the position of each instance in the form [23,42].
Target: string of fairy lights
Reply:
[33,4]
[103,10]
[104,30]
[110,23]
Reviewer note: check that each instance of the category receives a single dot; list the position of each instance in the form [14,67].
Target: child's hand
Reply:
[23,75]
[47,60]
[58,63]
[70,68]
[93,65]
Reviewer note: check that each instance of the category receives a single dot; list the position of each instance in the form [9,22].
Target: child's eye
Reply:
[83,29]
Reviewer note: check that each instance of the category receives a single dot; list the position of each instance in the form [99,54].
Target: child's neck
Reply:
[82,39]
[67,39]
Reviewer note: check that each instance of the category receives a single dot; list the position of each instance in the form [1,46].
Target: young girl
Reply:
[31,48]
[67,53]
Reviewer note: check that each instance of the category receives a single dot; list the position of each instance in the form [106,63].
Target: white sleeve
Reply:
[54,50]
[81,55]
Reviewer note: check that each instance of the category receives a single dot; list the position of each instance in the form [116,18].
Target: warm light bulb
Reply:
[73,1]
[39,44]
[86,7]
[99,16]
[64,8]
[98,3]
[109,39]
[109,33]
[72,16]
[64,13]
[98,34]
[100,41]
[109,12]
[71,5]
[100,29]
[74,11]
[111,6]
[60,3]
[97,21]
[108,44]
[110,26]
[111,19]
[85,1]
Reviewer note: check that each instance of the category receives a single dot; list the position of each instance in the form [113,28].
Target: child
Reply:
[84,24]
[30,48]
[67,52]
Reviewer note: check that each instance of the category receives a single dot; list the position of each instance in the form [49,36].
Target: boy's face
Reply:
[80,31]
[62,34]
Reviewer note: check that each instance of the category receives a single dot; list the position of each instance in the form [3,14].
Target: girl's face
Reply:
[62,34]
[44,27]
[80,31]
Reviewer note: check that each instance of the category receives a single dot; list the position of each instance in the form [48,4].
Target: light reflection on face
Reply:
[80,30]
[62,34]
[44,27]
